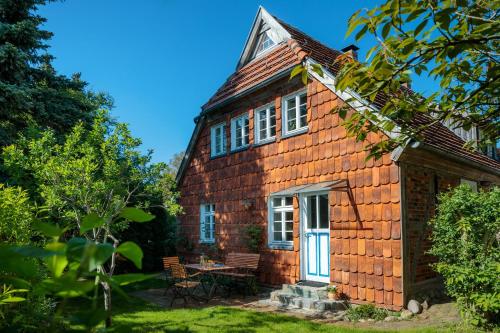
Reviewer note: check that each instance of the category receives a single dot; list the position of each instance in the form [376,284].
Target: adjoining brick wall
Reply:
[365,242]
[425,176]
[422,186]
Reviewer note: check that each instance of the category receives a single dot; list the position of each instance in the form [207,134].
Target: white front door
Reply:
[316,237]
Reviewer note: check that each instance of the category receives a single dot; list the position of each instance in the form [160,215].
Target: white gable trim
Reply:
[276,32]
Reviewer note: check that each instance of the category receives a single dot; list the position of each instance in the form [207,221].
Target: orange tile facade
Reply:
[365,241]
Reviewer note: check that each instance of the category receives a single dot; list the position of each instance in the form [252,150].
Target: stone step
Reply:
[315,293]
[288,300]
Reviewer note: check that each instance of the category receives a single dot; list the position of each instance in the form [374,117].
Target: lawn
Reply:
[139,316]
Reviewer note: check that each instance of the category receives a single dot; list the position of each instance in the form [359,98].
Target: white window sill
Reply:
[207,241]
[238,149]
[281,246]
[295,132]
[264,142]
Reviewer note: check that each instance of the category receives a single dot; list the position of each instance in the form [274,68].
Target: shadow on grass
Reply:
[144,317]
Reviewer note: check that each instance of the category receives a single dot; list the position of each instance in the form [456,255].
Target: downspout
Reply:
[403,240]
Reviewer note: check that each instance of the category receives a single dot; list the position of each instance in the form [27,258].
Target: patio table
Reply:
[210,271]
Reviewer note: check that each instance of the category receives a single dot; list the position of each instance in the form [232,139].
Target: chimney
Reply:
[351,50]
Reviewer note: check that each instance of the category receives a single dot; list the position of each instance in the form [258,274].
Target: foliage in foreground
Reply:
[77,268]
[88,185]
[97,171]
[454,43]
[465,240]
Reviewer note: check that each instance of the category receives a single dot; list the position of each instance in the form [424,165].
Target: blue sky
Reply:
[162,59]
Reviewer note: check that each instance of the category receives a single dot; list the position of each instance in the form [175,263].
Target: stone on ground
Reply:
[414,306]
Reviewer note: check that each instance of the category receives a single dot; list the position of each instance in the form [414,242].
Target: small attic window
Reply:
[264,43]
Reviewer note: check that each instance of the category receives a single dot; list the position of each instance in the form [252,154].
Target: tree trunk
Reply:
[107,302]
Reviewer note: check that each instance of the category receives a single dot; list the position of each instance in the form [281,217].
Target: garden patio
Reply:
[148,311]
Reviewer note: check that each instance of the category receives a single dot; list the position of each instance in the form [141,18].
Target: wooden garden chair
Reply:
[167,268]
[184,286]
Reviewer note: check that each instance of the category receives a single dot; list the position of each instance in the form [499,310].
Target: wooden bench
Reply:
[245,266]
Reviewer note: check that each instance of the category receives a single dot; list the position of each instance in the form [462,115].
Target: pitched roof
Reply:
[280,58]
[442,138]
[292,48]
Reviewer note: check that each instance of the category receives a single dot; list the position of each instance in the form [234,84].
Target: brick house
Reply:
[267,151]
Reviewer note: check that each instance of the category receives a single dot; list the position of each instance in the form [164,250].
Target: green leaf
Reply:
[386,29]
[57,263]
[91,221]
[67,286]
[318,69]
[361,33]
[304,77]
[33,251]
[420,27]
[131,251]
[296,71]
[89,255]
[342,113]
[14,299]
[47,229]
[136,215]
[125,279]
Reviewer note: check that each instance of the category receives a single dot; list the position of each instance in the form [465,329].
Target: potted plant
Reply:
[332,292]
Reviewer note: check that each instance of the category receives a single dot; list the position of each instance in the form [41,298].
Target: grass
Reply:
[136,315]
[140,316]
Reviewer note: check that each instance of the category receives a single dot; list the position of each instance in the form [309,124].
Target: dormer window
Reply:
[264,43]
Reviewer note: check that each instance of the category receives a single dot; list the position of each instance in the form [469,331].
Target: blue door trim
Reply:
[319,234]
[318,256]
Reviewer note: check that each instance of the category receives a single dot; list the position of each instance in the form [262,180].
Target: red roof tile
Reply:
[254,73]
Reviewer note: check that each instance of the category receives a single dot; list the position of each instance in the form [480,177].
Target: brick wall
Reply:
[425,176]
[365,234]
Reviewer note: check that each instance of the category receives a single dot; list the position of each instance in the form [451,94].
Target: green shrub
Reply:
[16,215]
[465,240]
[366,311]
[253,237]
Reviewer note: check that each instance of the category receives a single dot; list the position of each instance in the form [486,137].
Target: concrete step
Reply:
[315,293]
[289,300]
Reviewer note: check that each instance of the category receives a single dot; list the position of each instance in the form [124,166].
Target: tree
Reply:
[88,184]
[453,42]
[16,215]
[32,94]
[175,163]
[465,242]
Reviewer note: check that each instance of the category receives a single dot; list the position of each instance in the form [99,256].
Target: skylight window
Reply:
[265,43]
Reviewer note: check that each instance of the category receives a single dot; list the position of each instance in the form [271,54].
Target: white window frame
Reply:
[284,113]
[213,142]
[472,184]
[243,134]
[203,226]
[257,119]
[257,53]
[283,209]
